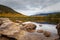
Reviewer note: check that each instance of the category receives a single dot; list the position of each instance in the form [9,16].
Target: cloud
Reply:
[21,4]
[53,8]
[29,6]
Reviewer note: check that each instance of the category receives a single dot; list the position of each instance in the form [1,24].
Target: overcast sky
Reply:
[30,7]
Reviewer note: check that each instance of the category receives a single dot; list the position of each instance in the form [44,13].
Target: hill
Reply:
[42,14]
[54,15]
[46,14]
[9,12]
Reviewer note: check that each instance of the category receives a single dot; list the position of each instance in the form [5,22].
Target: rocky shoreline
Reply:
[10,30]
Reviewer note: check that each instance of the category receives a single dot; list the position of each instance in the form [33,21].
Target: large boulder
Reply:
[30,27]
[11,29]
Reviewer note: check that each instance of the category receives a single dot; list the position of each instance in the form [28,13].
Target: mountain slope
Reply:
[9,12]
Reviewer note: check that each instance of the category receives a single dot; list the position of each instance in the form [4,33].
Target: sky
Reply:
[31,7]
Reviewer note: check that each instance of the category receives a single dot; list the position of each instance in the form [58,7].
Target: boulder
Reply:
[30,27]
[40,25]
[47,34]
[40,31]
[11,29]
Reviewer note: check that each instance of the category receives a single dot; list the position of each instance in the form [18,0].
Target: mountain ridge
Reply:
[8,12]
[46,14]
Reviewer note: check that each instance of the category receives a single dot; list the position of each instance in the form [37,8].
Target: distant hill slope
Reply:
[54,15]
[46,14]
[42,14]
[9,12]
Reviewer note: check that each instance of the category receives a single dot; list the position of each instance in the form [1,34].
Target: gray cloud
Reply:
[21,4]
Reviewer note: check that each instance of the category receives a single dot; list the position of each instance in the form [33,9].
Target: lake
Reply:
[45,26]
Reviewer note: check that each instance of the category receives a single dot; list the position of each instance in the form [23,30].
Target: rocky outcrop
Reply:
[15,30]
[11,29]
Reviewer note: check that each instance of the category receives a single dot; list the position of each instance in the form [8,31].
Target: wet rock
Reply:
[40,25]
[47,34]
[30,27]
[40,31]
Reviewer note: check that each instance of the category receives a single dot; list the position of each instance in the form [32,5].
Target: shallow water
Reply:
[46,27]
